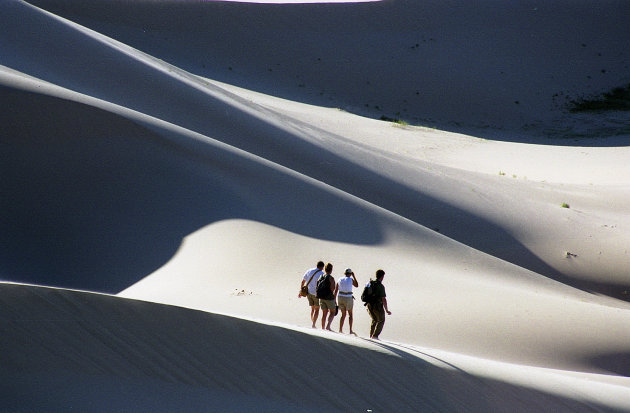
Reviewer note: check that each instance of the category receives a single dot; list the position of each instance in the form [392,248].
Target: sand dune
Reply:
[492,67]
[93,352]
[194,155]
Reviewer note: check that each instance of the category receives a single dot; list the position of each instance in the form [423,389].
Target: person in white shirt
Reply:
[312,275]
[345,300]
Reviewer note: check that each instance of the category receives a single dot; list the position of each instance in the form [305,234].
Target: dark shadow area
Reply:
[428,63]
[609,289]
[93,201]
[397,350]
[615,363]
[617,99]
[167,353]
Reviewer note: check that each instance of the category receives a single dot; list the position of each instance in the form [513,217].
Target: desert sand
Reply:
[170,169]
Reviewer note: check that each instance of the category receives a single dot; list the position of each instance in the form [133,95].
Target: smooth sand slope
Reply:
[490,67]
[102,353]
[192,154]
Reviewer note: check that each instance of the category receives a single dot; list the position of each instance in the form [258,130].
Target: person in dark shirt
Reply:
[378,308]
[326,295]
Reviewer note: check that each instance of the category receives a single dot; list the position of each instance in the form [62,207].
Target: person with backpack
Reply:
[309,280]
[376,303]
[345,299]
[326,295]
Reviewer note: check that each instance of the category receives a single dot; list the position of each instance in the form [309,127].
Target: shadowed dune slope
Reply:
[96,201]
[105,353]
[488,66]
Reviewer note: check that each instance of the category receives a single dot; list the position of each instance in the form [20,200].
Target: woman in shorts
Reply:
[326,294]
[345,300]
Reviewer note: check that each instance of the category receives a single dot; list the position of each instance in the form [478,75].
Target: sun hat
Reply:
[348,271]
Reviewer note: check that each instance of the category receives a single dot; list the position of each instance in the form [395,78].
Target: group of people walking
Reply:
[323,293]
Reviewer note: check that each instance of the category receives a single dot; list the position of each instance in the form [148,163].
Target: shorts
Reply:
[327,304]
[312,300]
[345,303]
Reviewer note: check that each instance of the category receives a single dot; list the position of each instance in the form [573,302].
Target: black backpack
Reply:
[323,287]
[369,293]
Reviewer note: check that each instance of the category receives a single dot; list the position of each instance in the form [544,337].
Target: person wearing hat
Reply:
[345,300]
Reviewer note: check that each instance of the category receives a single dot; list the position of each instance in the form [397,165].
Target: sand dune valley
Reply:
[170,169]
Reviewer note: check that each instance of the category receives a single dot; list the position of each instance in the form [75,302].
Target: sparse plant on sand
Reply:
[565,205]
[617,99]
[397,121]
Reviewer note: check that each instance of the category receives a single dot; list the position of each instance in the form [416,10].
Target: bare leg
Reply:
[314,314]
[350,321]
[341,320]
[330,319]
[324,314]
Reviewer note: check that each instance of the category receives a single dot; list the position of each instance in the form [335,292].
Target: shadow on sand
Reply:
[159,357]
